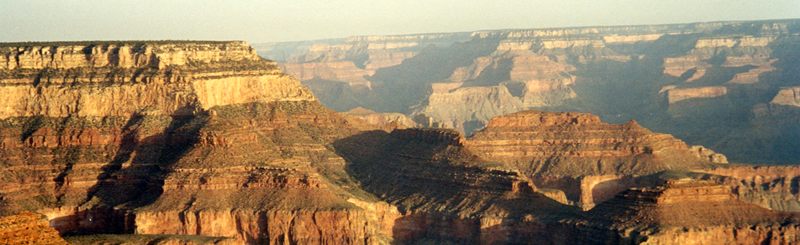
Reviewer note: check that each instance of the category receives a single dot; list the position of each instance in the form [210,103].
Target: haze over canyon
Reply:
[650,134]
[731,86]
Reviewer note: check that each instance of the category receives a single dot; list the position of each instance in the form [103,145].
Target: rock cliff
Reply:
[187,138]
[577,153]
[445,193]
[27,228]
[682,211]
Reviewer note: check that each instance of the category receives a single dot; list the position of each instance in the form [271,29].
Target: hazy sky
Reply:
[285,20]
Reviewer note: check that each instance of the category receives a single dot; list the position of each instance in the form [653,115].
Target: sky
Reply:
[292,20]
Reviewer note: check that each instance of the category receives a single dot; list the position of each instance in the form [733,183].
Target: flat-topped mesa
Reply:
[122,54]
[789,96]
[387,121]
[571,137]
[99,79]
[430,136]
[676,95]
[533,119]
[579,154]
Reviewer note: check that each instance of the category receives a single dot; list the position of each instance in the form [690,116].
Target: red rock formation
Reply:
[577,152]
[688,211]
[772,187]
[444,192]
[262,173]
[199,139]
[27,228]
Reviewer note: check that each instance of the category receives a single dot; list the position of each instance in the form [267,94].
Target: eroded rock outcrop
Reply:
[27,228]
[579,154]
[387,121]
[772,187]
[682,211]
[447,194]
[678,94]
[787,96]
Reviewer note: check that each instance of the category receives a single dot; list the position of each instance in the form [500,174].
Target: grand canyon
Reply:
[650,134]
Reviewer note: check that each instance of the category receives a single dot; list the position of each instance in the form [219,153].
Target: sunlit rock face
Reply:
[707,83]
[175,138]
[27,228]
[576,153]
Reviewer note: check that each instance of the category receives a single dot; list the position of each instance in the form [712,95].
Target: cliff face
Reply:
[772,187]
[717,84]
[445,193]
[27,228]
[577,153]
[685,211]
[191,138]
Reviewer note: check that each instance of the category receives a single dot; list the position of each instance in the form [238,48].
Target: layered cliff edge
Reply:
[184,137]
[196,141]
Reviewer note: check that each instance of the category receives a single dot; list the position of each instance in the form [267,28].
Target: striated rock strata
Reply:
[190,138]
[27,228]
[580,155]
[683,211]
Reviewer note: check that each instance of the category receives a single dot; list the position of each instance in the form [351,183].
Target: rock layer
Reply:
[579,154]
[27,228]
[175,138]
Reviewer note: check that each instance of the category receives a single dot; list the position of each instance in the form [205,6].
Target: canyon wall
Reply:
[174,138]
[183,142]
[718,84]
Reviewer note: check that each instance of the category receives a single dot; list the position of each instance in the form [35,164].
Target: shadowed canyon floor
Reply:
[196,142]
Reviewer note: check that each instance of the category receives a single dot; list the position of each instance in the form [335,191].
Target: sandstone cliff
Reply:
[577,153]
[27,228]
[445,193]
[189,138]
[685,211]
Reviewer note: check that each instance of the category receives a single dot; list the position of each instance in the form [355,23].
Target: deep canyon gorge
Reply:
[730,86]
[661,134]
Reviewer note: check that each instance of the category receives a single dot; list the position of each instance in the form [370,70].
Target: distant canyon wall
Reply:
[726,85]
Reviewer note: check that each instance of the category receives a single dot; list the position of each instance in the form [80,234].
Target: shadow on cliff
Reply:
[135,175]
[444,193]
